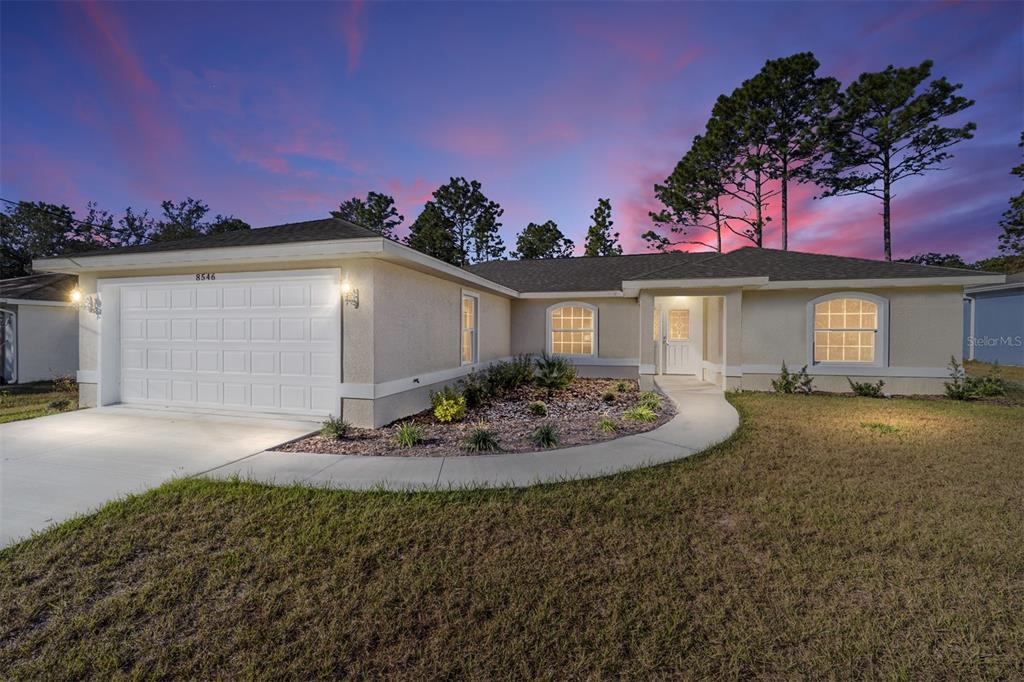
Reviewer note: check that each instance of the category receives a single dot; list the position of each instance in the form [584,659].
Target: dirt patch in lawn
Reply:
[574,412]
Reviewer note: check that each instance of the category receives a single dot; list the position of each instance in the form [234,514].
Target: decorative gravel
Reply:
[574,411]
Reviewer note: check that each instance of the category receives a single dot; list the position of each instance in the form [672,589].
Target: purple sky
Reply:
[277,112]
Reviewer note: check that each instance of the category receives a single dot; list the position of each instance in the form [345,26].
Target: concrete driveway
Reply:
[52,468]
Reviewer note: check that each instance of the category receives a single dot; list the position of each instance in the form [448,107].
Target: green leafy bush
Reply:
[545,436]
[60,404]
[608,396]
[606,425]
[407,435]
[962,387]
[553,373]
[496,380]
[792,382]
[448,407]
[334,428]
[650,400]
[866,389]
[481,439]
[538,408]
[623,386]
[474,389]
[641,413]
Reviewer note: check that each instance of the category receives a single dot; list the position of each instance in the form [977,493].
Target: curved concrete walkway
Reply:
[704,418]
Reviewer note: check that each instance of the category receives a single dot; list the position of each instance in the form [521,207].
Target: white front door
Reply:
[260,342]
[682,337]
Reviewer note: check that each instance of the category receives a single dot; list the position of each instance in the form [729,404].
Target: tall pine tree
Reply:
[542,241]
[376,212]
[600,239]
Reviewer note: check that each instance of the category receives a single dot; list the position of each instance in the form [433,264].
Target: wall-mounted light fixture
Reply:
[90,303]
[350,294]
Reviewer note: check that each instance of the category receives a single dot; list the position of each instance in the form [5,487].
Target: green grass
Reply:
[807,546]
[25,401]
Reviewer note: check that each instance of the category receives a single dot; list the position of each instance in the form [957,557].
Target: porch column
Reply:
[647,346]
[732,340]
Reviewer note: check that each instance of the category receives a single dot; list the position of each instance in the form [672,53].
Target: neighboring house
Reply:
[38,328]
[994,322]
[326,317]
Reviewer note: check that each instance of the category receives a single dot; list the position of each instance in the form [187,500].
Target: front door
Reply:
[682,338]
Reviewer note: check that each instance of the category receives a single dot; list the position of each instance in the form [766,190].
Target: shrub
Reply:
[334,428]
[623,386]
[449,408]
[640,413]
[992,384]
[545,436]
[474,390]
[481,439]
[792,382]
[408,435]
[650,400]
[65,384]
[60,404]
[538,408]
[866,389]
[505,377]
[962,387]
[553,373]
[608,396]
[606,425]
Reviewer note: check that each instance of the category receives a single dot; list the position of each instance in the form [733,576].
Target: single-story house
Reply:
[994,322]
[328,318]
[38,328]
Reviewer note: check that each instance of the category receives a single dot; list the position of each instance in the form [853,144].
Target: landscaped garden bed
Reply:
[520,406]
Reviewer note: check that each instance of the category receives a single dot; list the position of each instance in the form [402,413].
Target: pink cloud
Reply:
[352,26]
[475,138]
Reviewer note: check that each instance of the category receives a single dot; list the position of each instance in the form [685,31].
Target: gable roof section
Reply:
[593,273]
[788,266]
[39,287]
[290,233]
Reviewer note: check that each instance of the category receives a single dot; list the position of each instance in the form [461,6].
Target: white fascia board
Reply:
[994,287]
[28,301]
[611,293]
[405,253]
[634,286]
[262,253]
[886,283]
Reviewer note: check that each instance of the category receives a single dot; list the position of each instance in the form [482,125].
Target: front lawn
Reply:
[36,399]
[832,537]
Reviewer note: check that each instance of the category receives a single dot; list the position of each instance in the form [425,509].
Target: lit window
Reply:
[679,325]
[845,330]
[572,329]
[469,329]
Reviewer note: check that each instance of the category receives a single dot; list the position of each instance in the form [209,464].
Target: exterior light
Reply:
[89,303]
[350,294]
[76,295]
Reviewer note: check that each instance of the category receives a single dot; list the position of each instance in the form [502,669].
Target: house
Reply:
[994,322]
[326,317]
[38,328]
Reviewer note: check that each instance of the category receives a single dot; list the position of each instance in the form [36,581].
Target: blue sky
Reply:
[278,111]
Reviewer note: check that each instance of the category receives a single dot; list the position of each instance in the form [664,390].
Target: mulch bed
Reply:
[573,411]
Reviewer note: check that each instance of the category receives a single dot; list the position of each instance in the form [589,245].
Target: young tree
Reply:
[886,131]
[472,219]
[942,260]
[542,241]
[600,239]
[431,233]
[1011,241]
[376,212]
[226,223]
[792,104]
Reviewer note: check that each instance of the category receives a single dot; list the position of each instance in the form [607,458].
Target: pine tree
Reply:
[600,239]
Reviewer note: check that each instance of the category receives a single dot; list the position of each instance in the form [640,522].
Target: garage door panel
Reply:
[270,345]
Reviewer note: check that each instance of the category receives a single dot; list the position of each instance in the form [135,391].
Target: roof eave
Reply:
[886,282]
[635,286]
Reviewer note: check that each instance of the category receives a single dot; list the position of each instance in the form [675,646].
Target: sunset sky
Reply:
[277,112]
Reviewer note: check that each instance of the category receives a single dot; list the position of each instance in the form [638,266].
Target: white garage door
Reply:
[262,342]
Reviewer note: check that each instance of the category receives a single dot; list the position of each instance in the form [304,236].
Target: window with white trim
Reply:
[572,329]
[470,322]
[846,330]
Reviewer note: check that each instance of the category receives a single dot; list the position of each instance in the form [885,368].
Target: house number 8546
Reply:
[202,276]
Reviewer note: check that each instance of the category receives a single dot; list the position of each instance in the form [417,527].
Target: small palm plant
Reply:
[545,436]
[481,439]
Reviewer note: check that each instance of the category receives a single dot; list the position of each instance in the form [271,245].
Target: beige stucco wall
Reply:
[618,331]
[47,341]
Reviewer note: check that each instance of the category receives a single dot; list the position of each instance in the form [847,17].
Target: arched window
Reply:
[848,329]
[572,329]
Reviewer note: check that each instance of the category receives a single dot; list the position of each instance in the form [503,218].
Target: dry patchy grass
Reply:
[25,401]
[812,544]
